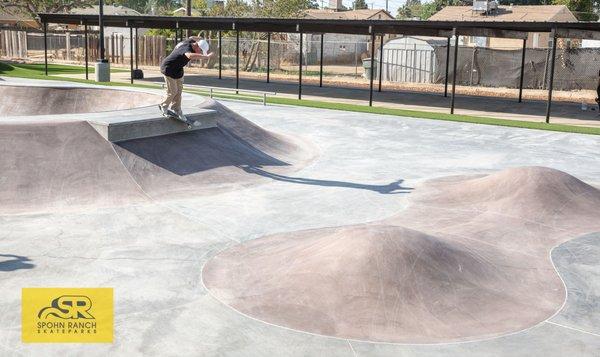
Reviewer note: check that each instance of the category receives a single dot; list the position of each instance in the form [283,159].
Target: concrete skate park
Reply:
[294,231]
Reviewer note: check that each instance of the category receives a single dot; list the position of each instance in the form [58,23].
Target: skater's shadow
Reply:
[10,262]
[193,152]
[390,188]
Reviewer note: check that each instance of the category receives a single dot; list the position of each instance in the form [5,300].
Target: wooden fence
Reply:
[70,47]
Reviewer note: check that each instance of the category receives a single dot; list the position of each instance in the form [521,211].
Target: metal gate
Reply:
[408,65]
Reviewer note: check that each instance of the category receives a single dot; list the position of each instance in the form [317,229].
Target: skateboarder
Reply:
[172,70]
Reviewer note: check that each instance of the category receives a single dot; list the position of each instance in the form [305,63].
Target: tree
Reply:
[145,6]
[415,9]
[360,4]
[31,8]
[410,10]
[283,8]
[582,9]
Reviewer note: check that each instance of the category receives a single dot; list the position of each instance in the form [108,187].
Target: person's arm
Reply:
[192,55]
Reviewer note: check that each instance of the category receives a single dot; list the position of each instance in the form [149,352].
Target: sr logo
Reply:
[68,307]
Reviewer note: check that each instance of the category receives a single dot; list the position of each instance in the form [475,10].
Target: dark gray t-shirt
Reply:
[172,65]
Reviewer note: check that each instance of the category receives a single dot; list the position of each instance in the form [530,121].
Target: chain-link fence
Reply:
[341,57]
[575,68]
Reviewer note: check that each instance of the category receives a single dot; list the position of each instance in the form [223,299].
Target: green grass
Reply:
[438,116]
[37,72]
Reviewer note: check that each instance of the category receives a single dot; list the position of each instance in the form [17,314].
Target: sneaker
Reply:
[163,109]
[182,117]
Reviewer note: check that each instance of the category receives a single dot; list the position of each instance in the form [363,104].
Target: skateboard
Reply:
[190,123]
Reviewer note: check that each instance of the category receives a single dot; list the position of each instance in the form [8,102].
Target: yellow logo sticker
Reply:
[67,314]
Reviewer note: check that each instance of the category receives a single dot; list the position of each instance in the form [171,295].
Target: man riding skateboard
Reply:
[172,69]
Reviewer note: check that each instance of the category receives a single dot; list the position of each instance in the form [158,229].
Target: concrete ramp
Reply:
[213,160]
[24,100]
[66,162]
[60,166]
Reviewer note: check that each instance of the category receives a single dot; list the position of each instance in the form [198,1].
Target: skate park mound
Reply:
[468,259]
[377,283]
[542,195]
[37,100]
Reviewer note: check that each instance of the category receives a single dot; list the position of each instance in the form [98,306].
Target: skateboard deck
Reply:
[190,123]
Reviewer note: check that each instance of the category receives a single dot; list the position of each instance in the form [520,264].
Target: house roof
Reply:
[362,14]
[108,10]
[16,19]
[558,13]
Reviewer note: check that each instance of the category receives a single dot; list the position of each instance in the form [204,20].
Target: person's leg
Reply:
[171,91]
[176,106]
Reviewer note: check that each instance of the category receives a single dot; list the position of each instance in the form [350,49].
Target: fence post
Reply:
[447,67]
[472,64]
[23,44]
[551,84]
[454,73]
[46,48]
[86,45]
[321,62]
[522,70]
[268,57]
[545,82]
[131,53]
[136,49]
[237,61]
[112,47]
[372,69]
[220,53]
[68,45]
[380,61]
[300,69]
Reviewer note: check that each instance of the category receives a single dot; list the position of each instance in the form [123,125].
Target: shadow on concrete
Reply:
[193,152]
[477,103]
[10,262]
[391,188]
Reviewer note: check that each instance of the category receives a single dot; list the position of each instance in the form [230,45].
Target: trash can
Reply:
[102,69]
[367,67]
[137,74]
